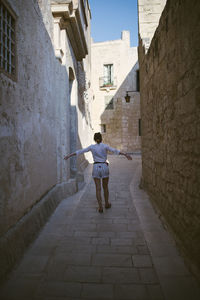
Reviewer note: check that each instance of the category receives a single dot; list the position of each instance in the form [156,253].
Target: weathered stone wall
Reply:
[149,12]
[122,119]
[85,94]
[35,128]
[122,124]
[30,109]
[170,110]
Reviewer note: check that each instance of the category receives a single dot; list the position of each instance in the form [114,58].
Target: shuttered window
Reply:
[108,74]
[7,40]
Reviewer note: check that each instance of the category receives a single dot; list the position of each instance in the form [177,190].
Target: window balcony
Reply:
[106,83]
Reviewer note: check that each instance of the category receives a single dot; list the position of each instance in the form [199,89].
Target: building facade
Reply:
[170,109]
[45,109]
[115,71]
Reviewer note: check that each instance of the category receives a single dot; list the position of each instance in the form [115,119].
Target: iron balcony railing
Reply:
[107,82]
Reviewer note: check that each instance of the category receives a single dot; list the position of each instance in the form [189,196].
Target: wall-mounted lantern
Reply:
[128,97]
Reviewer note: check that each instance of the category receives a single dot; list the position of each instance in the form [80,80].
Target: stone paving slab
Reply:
[120,275]
[124,253]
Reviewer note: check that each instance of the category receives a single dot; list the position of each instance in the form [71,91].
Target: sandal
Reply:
[100,209]
[108,205]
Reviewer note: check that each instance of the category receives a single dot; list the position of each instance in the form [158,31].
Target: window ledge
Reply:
[108,88]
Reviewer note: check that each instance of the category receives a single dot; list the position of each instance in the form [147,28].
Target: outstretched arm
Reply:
[69,155]
[125,154]
[78,152]
[118,152]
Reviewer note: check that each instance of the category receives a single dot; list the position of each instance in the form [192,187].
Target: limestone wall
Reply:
[170,110]
[30,117]
[35,117]
[149,12]
[118,122]
[122,124]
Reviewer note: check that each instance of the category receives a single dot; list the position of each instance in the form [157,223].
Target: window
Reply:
[7,41]
[109,103]
[108,75]
[103,128]
[139,127]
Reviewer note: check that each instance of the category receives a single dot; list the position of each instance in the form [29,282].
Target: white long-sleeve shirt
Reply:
[99,151]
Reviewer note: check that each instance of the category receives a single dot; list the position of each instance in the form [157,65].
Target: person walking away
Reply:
[100,171]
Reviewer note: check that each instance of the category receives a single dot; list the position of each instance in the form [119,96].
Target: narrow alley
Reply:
[124,253]
[60,83]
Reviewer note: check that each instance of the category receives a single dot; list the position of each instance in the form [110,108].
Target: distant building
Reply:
[115,71]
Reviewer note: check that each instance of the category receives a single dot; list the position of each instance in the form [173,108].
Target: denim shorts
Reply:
[100,170]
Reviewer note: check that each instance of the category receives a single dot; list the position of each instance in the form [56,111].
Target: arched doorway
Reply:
[73,121]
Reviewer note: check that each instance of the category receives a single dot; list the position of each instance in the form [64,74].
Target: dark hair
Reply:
[98,137]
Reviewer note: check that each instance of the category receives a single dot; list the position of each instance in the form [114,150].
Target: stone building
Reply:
[44,111]
[170,109]
[115,71]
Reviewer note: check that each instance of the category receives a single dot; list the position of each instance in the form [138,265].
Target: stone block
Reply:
[125,291]
[118,260]
[170,266]
[155,292]
[97,291]
[82,274]
[59,289]
[142,261]
[120,275]
[148,276]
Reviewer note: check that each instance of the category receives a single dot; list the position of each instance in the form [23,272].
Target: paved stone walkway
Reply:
[124,253]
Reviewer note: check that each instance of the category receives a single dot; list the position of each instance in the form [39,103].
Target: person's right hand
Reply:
[66,157]
[128,157]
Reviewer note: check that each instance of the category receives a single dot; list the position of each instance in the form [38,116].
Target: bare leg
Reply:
[98,192]
[106,192]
